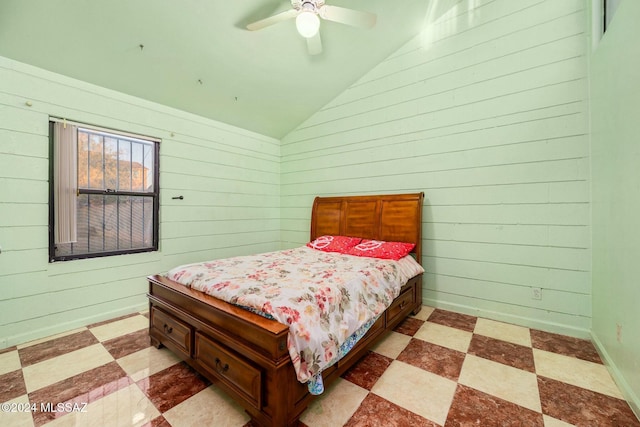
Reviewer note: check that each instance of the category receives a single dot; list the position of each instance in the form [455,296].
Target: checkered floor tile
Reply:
[438,368]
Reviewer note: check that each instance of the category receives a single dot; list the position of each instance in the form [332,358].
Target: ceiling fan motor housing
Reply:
[307,5]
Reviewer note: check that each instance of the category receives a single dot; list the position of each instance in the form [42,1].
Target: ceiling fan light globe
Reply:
[308,24]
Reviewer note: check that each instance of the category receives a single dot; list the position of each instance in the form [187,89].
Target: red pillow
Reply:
[381,249]
[334,243]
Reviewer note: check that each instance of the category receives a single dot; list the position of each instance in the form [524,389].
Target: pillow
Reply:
[381,249]
[334,243]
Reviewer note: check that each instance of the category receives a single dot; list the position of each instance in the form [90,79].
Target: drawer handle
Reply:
[402,304]
[221,368]
[167,329]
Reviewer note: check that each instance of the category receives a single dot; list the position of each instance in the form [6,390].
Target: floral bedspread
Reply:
[326,298]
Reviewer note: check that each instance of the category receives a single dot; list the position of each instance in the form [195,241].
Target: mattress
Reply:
[327,299]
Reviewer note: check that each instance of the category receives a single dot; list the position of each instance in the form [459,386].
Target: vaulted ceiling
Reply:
[197,56]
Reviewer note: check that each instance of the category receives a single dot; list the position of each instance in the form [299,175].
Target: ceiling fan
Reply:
[308,14]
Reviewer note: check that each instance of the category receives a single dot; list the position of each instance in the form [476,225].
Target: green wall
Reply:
[486,112]
[229,177]
[615,163]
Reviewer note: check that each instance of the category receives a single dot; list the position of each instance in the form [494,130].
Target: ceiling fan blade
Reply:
[282,16]
[314,44]
[346,16]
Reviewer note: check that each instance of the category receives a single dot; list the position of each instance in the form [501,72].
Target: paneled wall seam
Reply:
[489,118]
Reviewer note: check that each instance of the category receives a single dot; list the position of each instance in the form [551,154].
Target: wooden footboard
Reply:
[246,354]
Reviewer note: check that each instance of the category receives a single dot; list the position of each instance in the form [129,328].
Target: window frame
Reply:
[155,194]
[609,8]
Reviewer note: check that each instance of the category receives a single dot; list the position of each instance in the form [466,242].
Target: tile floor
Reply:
[436,369]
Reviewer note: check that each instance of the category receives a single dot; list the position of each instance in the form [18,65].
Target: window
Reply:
[610,7]
[103,192]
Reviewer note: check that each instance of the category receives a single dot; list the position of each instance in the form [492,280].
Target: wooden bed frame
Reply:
[246,354]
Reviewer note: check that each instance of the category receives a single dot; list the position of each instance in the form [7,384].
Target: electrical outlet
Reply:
[536,293]
[619,332]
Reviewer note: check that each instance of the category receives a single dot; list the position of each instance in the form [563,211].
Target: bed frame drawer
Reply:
[239,375]
[175,330]
[401,305]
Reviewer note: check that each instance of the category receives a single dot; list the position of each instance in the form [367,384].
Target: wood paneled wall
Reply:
[486,112]
[229,178]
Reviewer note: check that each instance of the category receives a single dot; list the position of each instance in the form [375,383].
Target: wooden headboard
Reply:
[391,217]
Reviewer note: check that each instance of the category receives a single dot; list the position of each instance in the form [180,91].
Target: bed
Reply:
[246,354]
